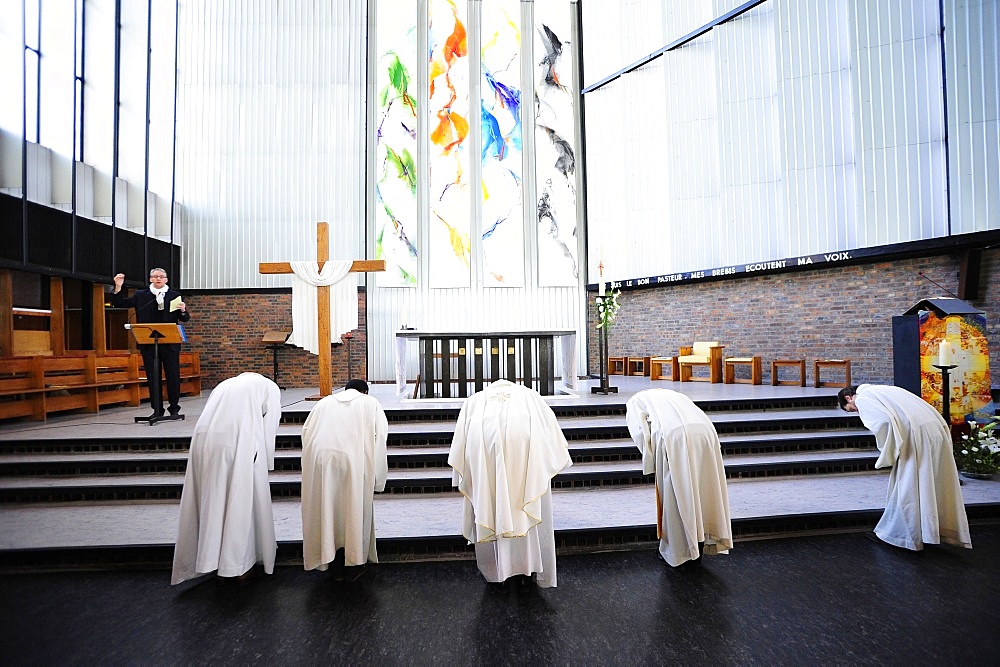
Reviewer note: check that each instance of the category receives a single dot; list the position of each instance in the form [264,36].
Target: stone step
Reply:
[428,526]
[612,406]
[287,483]
[582,451]
[422,433]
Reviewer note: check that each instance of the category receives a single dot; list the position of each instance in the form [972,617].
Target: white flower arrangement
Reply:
[607,308]
[979,451]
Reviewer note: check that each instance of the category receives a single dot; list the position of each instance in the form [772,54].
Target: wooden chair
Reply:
[702,353]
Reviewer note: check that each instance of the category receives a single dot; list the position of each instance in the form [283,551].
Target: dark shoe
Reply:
[157,414]
[175,410]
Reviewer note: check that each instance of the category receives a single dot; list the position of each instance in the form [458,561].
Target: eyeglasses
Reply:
[158,275]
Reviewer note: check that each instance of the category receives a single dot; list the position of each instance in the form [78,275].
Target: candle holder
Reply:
[946,391]
[602,351]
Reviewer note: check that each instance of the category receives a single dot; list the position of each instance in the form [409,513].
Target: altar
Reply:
[457,364]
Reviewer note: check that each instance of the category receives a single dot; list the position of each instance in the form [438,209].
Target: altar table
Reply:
[458,364]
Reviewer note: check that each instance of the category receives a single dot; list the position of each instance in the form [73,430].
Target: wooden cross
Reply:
[323,299]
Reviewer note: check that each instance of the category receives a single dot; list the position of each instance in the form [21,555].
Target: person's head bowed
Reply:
[359,385]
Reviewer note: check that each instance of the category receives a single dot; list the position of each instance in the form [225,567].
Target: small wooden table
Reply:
[656,365]
[637,366]
[617,365]
[795,363]
[832,363]
[729,371]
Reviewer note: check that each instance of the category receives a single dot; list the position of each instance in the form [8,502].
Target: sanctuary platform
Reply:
[85,491]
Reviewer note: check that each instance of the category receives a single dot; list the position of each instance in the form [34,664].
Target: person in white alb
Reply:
[680,445]
[924,503]
[507,448]
[343,465]
[226,520]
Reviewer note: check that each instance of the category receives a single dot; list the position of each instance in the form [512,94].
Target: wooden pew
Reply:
[190,364]
[39,385]
[21,388]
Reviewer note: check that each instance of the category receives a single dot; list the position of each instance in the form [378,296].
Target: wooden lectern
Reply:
[275,341]
[154,333]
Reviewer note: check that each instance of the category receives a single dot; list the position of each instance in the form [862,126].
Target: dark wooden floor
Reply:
[834,599]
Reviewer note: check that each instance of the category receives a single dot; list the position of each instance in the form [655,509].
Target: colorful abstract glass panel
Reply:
[501,157]
[448,125]
[555,147]
[396,147]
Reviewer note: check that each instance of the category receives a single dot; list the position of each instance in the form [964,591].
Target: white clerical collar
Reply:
[162,290]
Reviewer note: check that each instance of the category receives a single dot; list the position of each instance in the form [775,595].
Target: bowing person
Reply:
[343,465]
[507,448]
[924,502]
[226,521]
[680,445]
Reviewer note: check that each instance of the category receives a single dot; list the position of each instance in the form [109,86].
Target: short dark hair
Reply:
[359,385]
[843,394]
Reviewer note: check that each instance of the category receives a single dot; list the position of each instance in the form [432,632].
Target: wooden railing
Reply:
[39,385]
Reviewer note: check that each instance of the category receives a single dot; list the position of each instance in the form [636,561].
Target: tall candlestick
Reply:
[600,288]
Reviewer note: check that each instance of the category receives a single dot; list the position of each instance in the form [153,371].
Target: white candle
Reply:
[944,353]
[600,288]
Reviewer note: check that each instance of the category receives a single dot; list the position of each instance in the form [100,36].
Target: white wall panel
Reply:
[816,132]
[898,124]
[132,114]
[800,127]
[271,129]
[973,94]
[99,94]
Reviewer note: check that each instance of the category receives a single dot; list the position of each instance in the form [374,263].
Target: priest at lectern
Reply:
[157,304]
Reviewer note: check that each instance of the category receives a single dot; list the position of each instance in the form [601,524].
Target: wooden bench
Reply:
[637,365]
[799,364]
[190,376]
[729,372]
[657,364]
[843,364]
[617,365]
[22,391]
[38,385]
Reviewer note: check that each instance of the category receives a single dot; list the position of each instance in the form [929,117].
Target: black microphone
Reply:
[924,275]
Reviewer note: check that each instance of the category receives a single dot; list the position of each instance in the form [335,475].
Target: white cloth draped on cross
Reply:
[305,315]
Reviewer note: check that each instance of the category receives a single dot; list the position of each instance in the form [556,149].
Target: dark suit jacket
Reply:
[144,303]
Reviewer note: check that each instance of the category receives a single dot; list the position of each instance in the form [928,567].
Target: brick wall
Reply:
[227,328]
[840,312]
[835,313]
